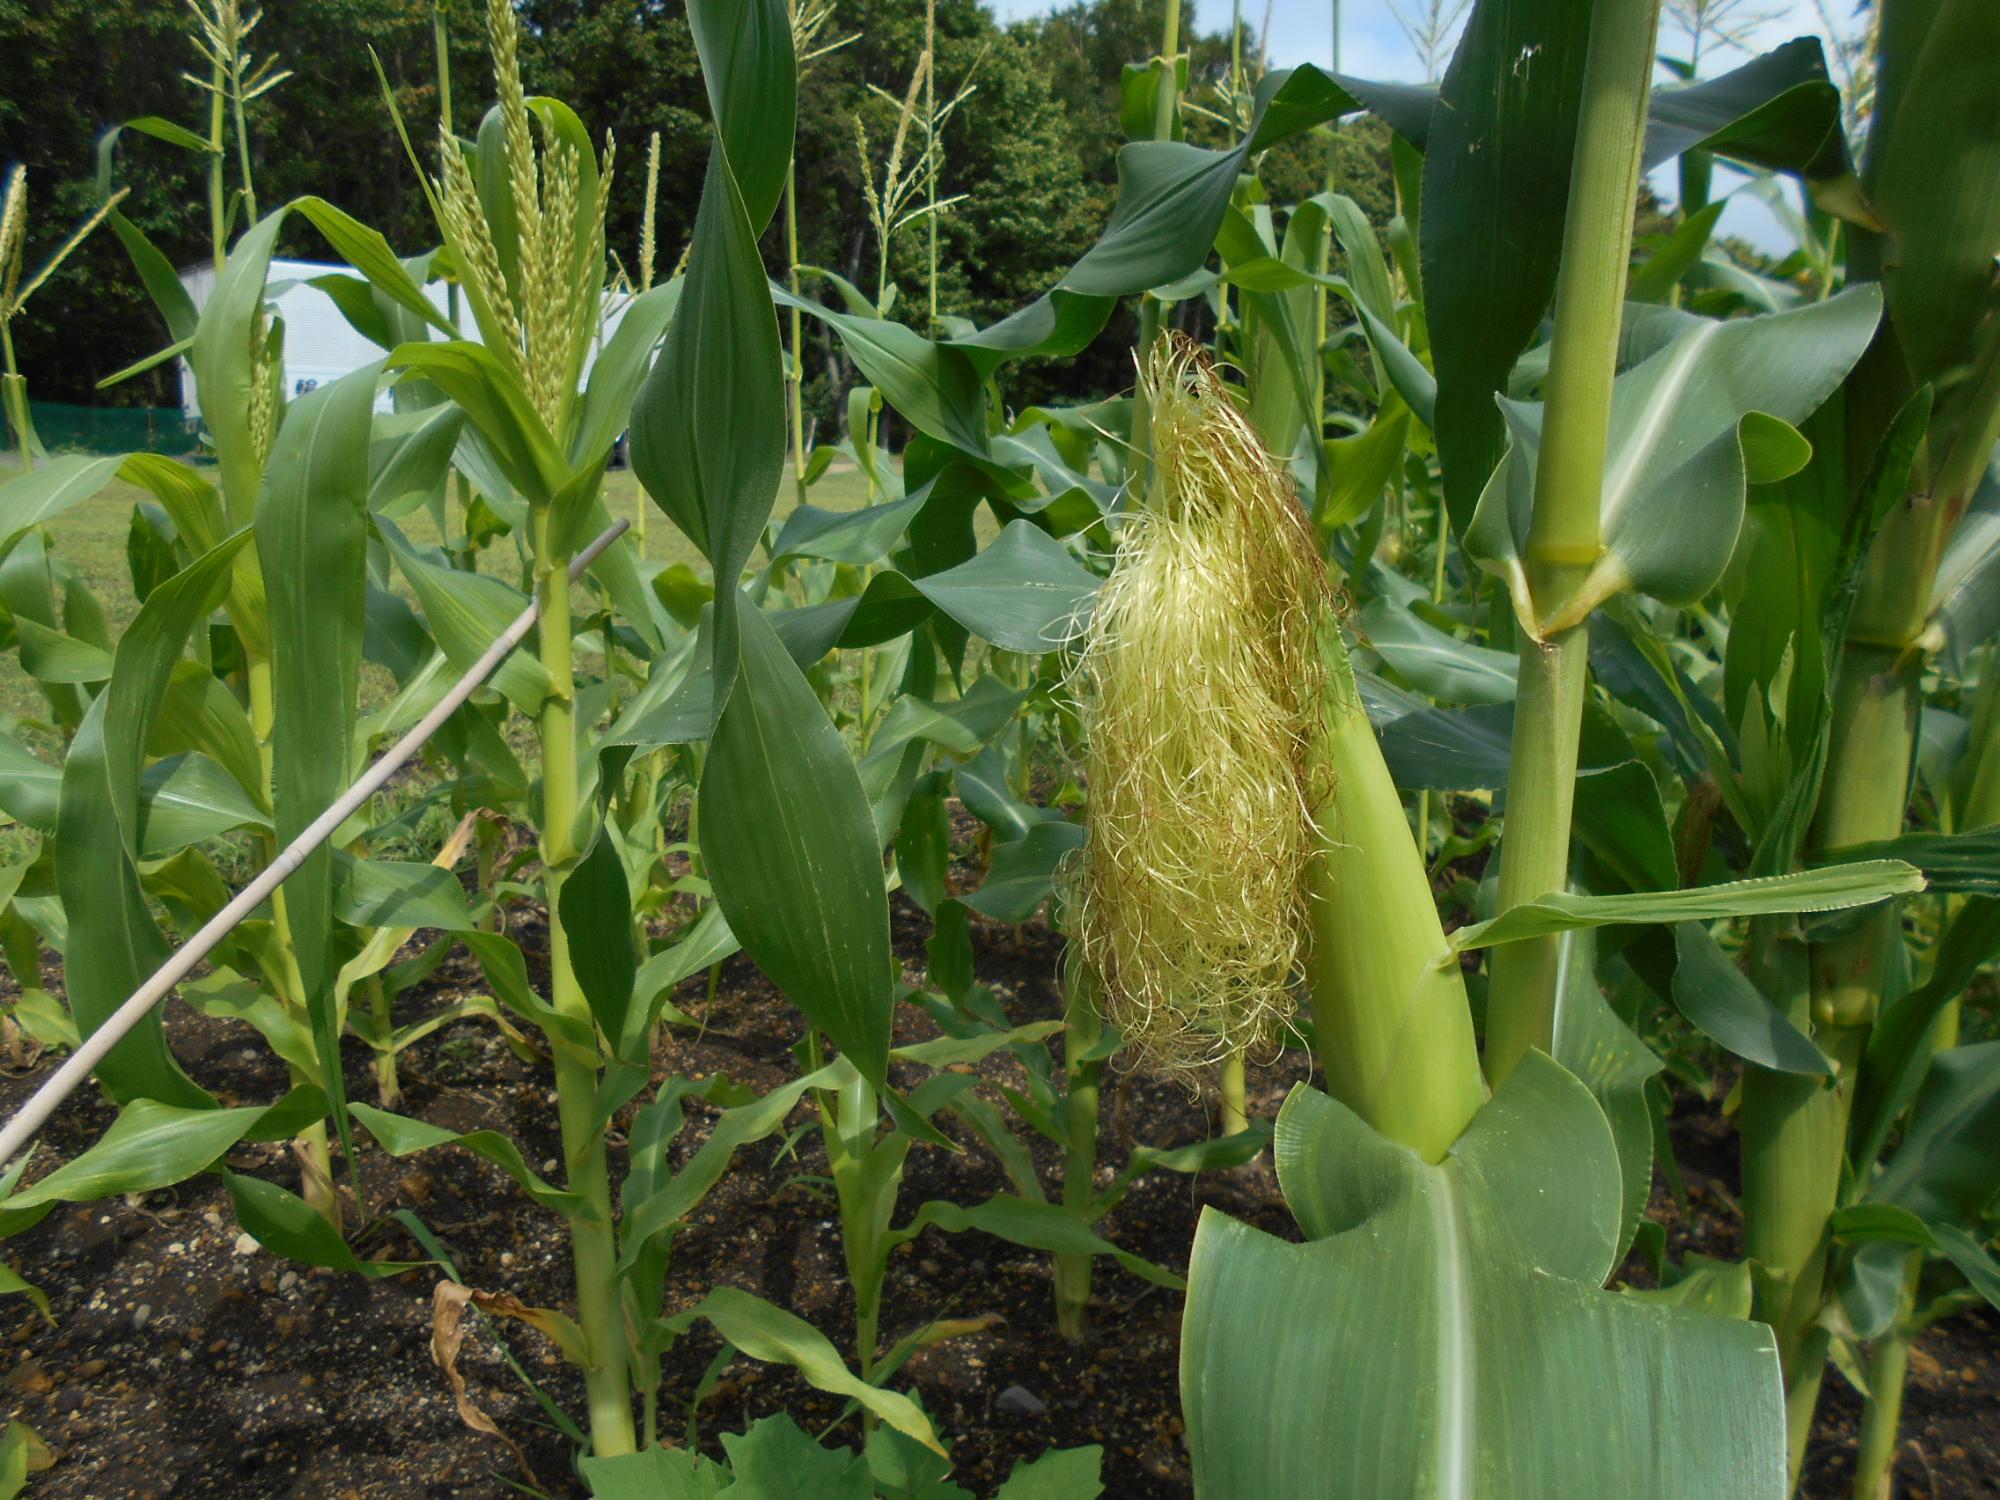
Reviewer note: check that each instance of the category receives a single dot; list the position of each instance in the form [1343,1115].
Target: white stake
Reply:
[35,1113]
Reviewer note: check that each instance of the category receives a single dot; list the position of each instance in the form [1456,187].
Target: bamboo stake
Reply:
[35,1113]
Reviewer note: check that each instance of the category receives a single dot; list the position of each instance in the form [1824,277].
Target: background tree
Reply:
[1033,150]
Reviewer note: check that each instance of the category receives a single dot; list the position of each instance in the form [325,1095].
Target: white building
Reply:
[320,344]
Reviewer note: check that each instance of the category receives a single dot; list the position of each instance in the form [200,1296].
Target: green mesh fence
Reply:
[112,429]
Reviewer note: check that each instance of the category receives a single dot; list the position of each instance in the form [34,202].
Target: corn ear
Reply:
[1388,998]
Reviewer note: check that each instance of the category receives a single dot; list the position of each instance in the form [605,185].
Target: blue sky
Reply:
[1372,46]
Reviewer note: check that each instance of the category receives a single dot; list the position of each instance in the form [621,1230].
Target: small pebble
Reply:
[1019,1401]
[247,1245]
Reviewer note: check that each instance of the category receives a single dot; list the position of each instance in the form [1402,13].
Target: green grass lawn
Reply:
[91,538]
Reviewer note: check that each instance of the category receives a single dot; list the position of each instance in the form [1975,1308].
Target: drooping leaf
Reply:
[778,1337]
[153,1144]
[798,877]
[1721,1003]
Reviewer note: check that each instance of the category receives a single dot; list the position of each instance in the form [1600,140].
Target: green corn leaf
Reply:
[189,500]
[185,799]
[39,495]
[394,894]
[1966,863]
[1022,872]
[935,386]
[114,943]
[312,541]
[1412,381]
[368,252]
[1965,602]
[152,1145]
[285,1224]
[1064,1474]
[777,1337]
[1899,1046]
[495,403]
[1834,888]
[399,1135]
[1974,1260]
[1039,1226]
[1610,1060]
[799,878]
[1656,279]
[1674,472]
[30,788]
[708,425]
[671,1198]
[1435,663]
[199,713]
[50,656]
[1621,819]
[1947,1167]
[615,377]
[1359,469]
[1779,111]
[858,537]
[1399,1350]
[1931,171]
[1501,140]
[1720,1287]
[174,135]
[225,367]
[410,456]
[1721,1003]
[1023,593]
[654,1474]
[163,285]
[947,1050]
[466,613]
[595,909]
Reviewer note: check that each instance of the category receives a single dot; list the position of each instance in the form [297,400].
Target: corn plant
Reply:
[1699,547]
[1584,549]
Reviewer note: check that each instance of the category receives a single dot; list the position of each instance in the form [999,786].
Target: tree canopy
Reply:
[1029,155]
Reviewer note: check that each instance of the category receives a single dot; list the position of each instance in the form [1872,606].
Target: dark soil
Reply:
[184,1361]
